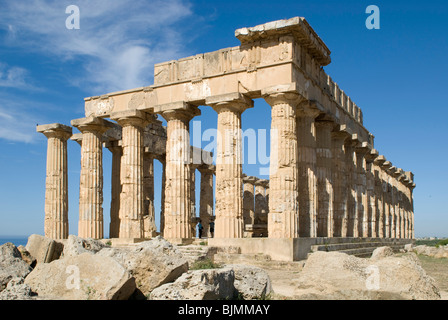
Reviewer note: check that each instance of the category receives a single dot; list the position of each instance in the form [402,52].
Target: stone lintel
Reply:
[341,131]
[297,27]
[55,129]
[286,88]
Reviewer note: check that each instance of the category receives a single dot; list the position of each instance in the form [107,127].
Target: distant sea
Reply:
[16,240]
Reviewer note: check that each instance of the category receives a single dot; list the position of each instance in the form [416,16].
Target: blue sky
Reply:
[395,74]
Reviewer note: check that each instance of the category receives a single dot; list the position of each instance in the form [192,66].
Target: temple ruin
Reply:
[326,181]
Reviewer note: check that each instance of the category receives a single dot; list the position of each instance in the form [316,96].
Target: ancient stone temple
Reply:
[326,179]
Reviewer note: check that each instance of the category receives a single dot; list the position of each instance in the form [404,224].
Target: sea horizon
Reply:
[17,240]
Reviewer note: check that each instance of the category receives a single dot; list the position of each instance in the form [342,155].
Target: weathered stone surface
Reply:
[11,264]
[44,249]
[251,282]
[26,256]
[209,284]
[16,290]
[436,252]
[382,252]
[100,278]
[335,275]
[152,263]
[76,245]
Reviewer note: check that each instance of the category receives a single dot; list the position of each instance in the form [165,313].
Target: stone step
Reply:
[193,252]
[260,260]
[346,246]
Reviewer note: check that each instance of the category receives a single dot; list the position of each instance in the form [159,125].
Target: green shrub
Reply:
[204,264]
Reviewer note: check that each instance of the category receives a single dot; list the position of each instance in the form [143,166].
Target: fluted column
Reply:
[116,150]
[131,173]
[352,206]
[149,219]
[387,191]
[325,195]
[307,168]
[177,212]
[249,200]
[283,217]
[261,201]
[91,223]
[206,197]
[372,200]
[162,160]
[56,187]
[380,196]
[340,183]
[229,179]
[361,182]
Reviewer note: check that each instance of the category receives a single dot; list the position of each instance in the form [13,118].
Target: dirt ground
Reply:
[283,281]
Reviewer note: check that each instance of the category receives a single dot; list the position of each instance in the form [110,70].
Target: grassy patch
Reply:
[205,264]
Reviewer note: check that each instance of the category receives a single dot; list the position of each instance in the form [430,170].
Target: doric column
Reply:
[149,218]
[324,163]
[177,212]
[229,179]
[387,191]
[363,221]
[261,201]
[283,217]
[249,199]
[116,150]
[131,173]
[351,171]
[340,183]
[307,176]
[380,196]
[56,188]
[206,197]
[162,160]
[193,168]
[91,221]
[372,200]
[394,222]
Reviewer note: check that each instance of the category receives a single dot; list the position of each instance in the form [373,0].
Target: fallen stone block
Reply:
[44,249]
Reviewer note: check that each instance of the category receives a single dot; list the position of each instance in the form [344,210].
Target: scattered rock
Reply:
[207,284]
[11,265]
[152,263]
[44,249]
[251,282]
[27,257]
[336,275]
[82,277]
[17,290]
[75,246]
[382,252]
[440,252]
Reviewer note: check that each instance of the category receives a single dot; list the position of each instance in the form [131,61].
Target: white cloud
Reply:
[117,43]
[12,76]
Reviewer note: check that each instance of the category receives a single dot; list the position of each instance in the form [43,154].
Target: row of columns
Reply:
[323,181]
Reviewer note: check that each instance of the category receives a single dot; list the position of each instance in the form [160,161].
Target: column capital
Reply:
[363,149]
[92,124]
[325,123]
[132,117]
[286,93]
[207,169]
[379,160]
[262,182]
[250,179]
[235,102]
[371,156]
[386,165]
[180,110]
[341,132]
[77,137]
[55,130]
